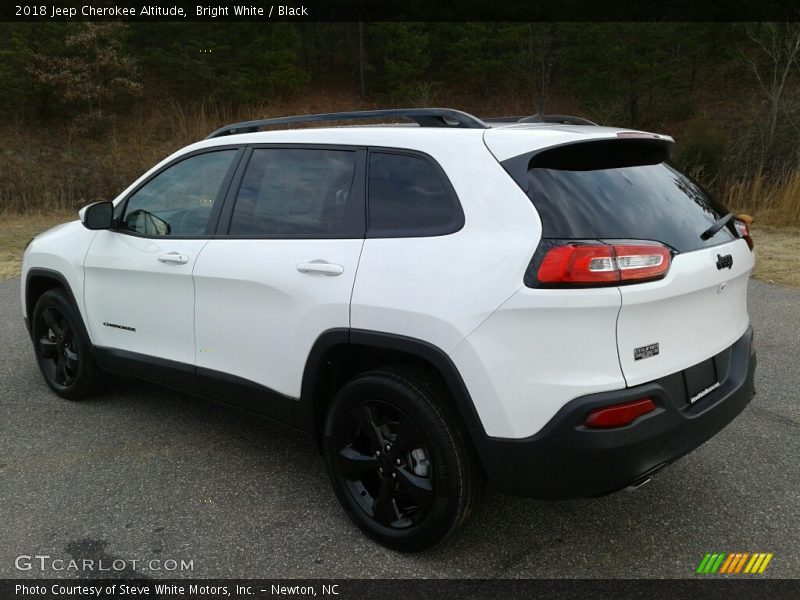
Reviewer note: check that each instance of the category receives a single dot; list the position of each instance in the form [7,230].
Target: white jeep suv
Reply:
[542,302]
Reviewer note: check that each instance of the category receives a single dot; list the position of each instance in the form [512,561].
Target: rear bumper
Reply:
[568,460]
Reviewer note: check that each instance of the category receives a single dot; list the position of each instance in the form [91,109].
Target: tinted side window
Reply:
[178,200]
[296,192]
[408,197]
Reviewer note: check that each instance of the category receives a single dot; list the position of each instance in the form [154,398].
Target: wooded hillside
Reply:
[86,107]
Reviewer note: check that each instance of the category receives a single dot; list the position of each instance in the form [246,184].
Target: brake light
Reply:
[639,135]
[596,262]
[744,232]
[619,415]
[575,263]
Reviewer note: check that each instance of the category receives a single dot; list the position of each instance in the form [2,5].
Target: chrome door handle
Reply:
[326,268]
[173,257]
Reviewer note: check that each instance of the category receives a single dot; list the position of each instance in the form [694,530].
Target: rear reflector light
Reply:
[744,232]
[594,262]
[618,415]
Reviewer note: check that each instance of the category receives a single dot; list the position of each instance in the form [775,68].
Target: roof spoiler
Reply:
[640,149]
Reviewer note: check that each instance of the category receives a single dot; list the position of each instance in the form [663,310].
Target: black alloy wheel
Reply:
[56,351]
[385,464]
[398,460]
[62,347]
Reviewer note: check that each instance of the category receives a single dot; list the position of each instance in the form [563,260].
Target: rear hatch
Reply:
[620,192]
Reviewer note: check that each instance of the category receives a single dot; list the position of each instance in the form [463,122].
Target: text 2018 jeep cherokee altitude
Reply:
[543,302]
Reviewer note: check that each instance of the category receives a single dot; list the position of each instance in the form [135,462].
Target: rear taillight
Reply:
[744,232]
[577,263]
[618,415]
[601,263]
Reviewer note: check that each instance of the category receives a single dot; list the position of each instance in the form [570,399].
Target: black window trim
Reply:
[457,224]
[216,209]
[358,189]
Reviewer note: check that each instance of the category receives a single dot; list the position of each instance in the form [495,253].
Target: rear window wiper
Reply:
[718,224]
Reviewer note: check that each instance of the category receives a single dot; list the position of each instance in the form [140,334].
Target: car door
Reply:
[280,273]
[138,289]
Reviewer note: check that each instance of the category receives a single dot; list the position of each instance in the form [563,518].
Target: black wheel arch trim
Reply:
[30,302]
[421,349]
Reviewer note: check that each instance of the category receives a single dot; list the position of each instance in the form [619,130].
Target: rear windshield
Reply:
[621,190]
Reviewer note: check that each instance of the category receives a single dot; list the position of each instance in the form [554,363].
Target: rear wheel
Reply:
[62,348]
[399,462]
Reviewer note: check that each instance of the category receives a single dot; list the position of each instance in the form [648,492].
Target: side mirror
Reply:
[99,215]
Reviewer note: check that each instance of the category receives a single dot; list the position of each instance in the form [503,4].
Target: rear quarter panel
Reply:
[439,289]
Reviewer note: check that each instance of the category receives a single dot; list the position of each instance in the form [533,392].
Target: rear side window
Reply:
[620,190]
[410,197]
[296,192]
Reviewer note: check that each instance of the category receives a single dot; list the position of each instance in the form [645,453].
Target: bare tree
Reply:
[361,86]
[774,64]
[537,48]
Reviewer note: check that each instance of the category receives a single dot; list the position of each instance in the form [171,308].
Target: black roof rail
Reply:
[539,118]
[491,120]
[424,117]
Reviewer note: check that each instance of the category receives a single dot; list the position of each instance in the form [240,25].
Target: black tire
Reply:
[62,347]
[400,464]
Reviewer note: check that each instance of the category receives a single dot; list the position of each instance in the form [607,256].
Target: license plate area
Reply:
[701,380]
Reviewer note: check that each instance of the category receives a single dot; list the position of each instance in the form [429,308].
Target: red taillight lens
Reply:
[576,263]
[618,415]
[744,231]
[587,263]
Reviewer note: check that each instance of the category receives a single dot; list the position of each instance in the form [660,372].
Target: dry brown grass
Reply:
[59,169]
[777,255]
[773,201]
[17,230]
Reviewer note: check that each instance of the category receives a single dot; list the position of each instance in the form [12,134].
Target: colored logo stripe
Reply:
[703,563]
[735,562]
[727,564]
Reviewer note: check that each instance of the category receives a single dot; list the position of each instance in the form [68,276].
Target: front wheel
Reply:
[62,348]
[399,463]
